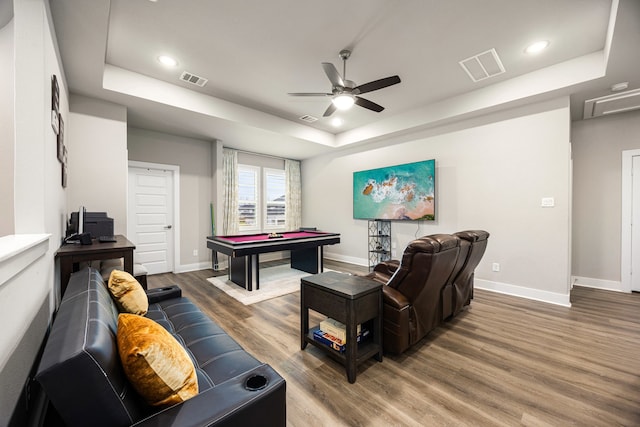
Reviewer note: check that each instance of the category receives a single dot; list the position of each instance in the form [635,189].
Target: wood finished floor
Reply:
[505,361]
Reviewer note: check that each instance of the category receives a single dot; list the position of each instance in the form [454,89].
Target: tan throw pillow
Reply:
[128,293]
[157,366]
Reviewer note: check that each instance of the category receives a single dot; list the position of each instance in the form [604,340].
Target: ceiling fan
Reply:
[345,93]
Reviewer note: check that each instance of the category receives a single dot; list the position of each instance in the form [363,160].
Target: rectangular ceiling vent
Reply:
[611,104]
[483,65]
[307,118]
[193,79]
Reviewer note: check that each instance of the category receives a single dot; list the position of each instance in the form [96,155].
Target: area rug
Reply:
[274,282]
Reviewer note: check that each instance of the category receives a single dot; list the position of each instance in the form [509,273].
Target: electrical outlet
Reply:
[495,266]
[195,252]
[547,202]
[393,253]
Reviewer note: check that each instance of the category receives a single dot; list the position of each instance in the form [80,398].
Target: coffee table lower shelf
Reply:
[366,349]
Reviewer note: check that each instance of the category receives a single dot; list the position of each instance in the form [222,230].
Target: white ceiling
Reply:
[254,52]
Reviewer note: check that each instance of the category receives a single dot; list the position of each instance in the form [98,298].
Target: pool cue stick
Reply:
[214,254]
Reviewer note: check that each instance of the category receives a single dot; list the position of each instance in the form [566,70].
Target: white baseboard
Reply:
[522,292]
[348,259]
[222,262]
[588,282]
[183,268]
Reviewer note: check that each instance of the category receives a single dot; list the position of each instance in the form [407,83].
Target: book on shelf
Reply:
[334,342]
[337,329]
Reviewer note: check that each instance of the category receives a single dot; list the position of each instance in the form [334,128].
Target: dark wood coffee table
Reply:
[351,300]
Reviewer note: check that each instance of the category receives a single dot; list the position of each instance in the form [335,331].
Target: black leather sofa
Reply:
[81,373]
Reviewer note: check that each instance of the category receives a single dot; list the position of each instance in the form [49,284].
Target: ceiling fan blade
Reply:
[332,73]
[329,111]
[368,104]
[377,84]
[310,94]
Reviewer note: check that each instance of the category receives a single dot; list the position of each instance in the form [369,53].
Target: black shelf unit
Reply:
[379,241]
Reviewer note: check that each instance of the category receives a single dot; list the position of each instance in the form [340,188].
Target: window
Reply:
[275,195]
[261,199]
[248,200]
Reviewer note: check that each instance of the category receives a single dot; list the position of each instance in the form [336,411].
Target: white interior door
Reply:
[150,217]
[635,225]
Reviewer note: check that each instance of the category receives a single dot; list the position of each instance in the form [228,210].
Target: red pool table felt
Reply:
[265,236]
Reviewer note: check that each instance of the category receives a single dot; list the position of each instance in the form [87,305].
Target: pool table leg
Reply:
[244,271]
[309,260]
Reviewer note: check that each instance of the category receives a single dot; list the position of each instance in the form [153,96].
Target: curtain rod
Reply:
[261,155]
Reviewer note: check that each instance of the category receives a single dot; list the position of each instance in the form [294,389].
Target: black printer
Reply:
[95,223]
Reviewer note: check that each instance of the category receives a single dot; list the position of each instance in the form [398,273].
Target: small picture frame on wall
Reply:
[55,93]
[55,103]
[64,175]
[61,147]
[54,121]
[63,164]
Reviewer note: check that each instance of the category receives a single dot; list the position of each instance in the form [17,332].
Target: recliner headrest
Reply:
[472,235]
[433,243]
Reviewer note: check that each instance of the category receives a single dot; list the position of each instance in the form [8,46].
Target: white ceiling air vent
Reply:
[193,79]
[307,118]
[483,65]
[611,104]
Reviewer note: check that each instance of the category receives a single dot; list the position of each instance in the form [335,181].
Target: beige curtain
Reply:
[230,182]
[293,211]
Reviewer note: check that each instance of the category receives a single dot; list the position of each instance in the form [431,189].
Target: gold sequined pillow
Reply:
[128,293]
[157,366]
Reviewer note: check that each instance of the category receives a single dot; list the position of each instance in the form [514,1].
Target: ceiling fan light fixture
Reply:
[343,101]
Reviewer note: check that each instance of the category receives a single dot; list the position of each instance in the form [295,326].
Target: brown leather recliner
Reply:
[415,302]
[412,295]
[458,293]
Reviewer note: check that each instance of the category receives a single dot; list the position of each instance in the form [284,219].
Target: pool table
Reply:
[244,250]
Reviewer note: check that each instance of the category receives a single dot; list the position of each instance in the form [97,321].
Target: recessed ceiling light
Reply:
[167,60]
[337,122]
[537,47]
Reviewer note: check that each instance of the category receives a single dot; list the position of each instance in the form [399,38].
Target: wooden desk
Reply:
[70,255]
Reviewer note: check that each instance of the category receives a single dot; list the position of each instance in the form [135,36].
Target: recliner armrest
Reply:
[387,268]
[166,292]
[394,298]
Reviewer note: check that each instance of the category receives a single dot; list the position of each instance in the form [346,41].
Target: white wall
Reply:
[97,154]
[597,197]
[7,140]
[195,158]
[491,174]
[29,298]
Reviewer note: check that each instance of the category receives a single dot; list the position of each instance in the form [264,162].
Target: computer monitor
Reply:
[81,217]
[77,222]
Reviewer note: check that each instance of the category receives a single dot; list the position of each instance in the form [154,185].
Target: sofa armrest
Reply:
[160,294]
[229,404]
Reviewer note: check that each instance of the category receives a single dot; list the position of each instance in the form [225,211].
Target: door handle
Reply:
[167,227]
